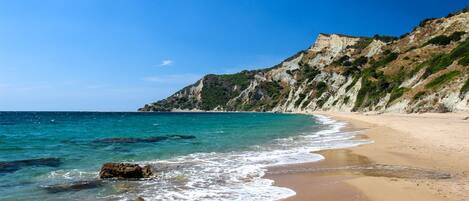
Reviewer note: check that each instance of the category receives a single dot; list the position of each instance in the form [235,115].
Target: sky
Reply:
[115,55]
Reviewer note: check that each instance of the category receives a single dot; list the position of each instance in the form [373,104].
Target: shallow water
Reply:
[202,156]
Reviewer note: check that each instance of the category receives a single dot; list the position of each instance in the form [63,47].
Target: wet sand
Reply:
[414,157]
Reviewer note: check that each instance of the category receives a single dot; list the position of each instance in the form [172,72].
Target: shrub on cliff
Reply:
[385,38]
[397,93]
[307,72]
[456,36]
[437,82]
[419,95]
[445,40]
[321,87]
[425,21]
[362,43]
[440,40]
[387,59]
[437,63]
[465,88]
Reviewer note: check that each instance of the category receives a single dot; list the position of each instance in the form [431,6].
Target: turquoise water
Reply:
[220,150]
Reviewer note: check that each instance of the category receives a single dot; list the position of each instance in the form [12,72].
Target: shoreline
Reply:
[413,157]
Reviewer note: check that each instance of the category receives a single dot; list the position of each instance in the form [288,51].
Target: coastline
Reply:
[413,157]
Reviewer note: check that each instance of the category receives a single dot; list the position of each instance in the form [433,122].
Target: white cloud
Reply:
[166,62]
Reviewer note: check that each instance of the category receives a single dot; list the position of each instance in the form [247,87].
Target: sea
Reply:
[198,156]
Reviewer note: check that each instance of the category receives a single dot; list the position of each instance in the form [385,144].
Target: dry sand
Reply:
[414,157]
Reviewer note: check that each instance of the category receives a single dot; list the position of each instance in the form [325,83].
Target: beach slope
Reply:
[413,157]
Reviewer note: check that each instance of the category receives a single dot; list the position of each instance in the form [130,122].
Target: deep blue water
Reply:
[78,144]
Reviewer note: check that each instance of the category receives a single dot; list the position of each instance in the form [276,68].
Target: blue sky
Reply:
[111,55]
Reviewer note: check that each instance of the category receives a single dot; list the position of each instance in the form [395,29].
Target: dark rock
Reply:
[117,140]
[125,171]
[139,199]
[184,137]
[75,186]
[441,108]
[7,123]
[12,166]
[147,171]
[144,140]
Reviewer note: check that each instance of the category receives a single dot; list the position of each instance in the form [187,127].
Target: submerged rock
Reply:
[7,123]
[145,140]
[139,199]
[74,186]
[125,171]
[12,166]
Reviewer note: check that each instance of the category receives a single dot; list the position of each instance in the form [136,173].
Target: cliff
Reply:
[426,70]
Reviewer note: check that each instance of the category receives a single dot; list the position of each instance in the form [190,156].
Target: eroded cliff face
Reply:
[426,70]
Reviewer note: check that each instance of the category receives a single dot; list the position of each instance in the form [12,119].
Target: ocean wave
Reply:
[239,175]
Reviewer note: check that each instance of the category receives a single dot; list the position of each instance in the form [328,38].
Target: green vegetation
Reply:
[373,88]
[346,99]
[464,61]
[437,63]
[362,43]
[376,85]
[321,87]
[354,81]
[387,59]
[271,89]
[464,10]
[456,36]
[404,35]
[461,51]
[424,22]
[465,88]
[321,102]
[397,93]
[352,68]
[360,61]
[435,83]
[335,102]
[307,72]
[419,95]
[218,89]
[266,96]
[341,60]
[441,61]
[445,40]
[241,79]
[384,38]
[301,97]
[439,40]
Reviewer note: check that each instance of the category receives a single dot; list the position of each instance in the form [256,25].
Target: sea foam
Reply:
[239,175]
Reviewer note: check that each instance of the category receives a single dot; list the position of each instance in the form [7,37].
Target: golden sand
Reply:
[421,157]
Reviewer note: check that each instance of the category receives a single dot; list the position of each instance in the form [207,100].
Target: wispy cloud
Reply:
[173,79]
[166,62]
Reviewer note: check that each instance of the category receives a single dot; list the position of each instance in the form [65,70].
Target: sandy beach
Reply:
[412,157]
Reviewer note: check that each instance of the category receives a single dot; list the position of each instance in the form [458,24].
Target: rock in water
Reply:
[12,166]
[74,186]
[147,171]
[129,140]
[125,171]
[139,199]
